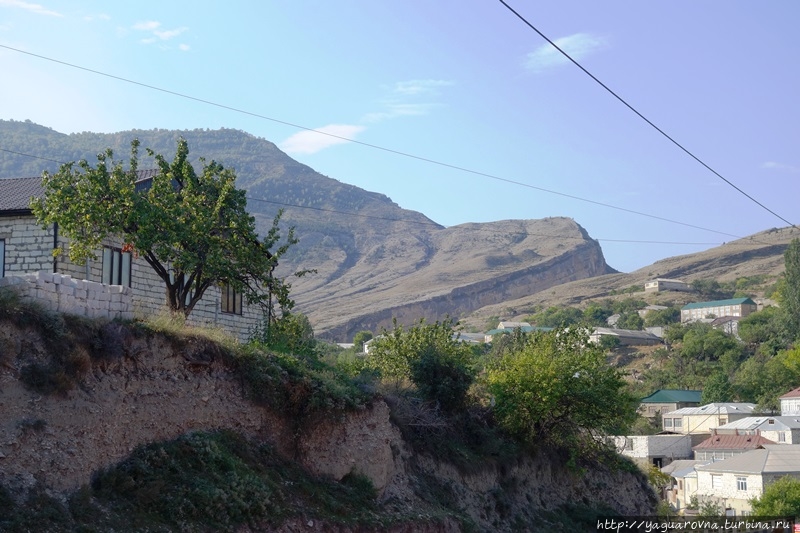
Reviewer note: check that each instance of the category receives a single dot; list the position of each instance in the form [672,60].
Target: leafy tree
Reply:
[291,333]
[554,317]
[193,229]
[662,317]
[766,329]
[790,289]
[360,338]
[780,498]
[596,314]
[717,389]
[630,320]
[428,355]
[557,387]
[708,288]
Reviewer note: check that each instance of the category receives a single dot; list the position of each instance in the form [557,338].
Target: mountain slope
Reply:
[373,259]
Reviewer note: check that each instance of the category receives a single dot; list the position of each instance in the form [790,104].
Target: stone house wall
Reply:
[728,495]
[28,251]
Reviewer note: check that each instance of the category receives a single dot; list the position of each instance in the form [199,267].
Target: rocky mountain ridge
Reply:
[372,258]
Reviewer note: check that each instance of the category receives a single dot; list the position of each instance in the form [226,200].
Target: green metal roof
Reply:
[718,303]
[674,396]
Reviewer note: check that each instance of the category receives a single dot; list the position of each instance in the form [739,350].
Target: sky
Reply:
[456,108]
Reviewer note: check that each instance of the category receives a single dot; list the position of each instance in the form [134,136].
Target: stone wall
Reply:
[64,294]
[28,252]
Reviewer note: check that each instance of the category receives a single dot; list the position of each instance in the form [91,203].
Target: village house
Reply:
[723,446]
[664,284]
[733,482]
[117,284]
[778,429]
[667,400]
[691,420]
[655,450]
[736,307]
[626,337]
[790,403]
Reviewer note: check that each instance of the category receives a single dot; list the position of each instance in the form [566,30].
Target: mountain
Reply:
[756,256]
[373,259]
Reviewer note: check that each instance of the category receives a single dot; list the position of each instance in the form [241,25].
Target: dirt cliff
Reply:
[153,389]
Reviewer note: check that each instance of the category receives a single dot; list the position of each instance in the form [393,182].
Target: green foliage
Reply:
[609,342]
[717,389]
[428,355]
[192,228]
[556,317]
[291,333]
[766,329]
[790,289]
[557,387]
[662,317]
[781,498]
[711,289]
[360,338]
[630,320]
[596,315]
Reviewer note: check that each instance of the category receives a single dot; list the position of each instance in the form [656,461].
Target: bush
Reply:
[443,377]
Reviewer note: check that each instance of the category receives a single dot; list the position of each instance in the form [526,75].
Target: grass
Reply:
[216,481]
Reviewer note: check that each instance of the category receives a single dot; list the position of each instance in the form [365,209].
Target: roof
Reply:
[674,396]
[719,303]
[751,423]
[524,329]
[716,408]
[681,464]
[732,442]
[771,459]
[668,280]
[627,333]
[791,394]
[16,194]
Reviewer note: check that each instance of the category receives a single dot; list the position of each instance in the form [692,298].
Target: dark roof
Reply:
[732,442]
[718,303]
[674,396]
[16,194]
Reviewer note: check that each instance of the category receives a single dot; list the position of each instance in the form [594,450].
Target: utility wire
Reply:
[420,222]
[374,146]
[629,106]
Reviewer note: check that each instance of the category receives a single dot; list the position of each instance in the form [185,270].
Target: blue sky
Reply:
[463,83]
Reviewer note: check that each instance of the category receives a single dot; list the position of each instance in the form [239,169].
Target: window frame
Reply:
[230,301]
[716,481]
[117,266]
[741,483]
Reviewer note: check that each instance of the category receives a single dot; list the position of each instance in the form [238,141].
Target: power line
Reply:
[420,222]
[374,146]
[629,106]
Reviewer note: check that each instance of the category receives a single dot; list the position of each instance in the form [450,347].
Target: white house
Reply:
[790,403]
[732,483]
[778,429]
[656,450]
[703,419]
[664,284]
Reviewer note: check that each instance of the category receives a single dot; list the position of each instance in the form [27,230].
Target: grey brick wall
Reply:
[28,250]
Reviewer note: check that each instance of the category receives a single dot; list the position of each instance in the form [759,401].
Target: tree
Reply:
[360,338]
[428,355]
[193,229]
[790,288]
[557,387]
[717,389]
[662,317]
[630,320]
[781,498]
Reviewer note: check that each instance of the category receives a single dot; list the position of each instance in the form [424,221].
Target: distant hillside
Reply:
[758,255]
[374,260]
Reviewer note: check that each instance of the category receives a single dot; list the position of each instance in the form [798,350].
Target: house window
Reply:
[678,423]
[741,483]
[231,301]
[2,258]
[723,421]
[782,436]
[116,267]
[716,481]
[667,422]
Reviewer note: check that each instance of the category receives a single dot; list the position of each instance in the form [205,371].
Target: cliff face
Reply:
[153,391]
